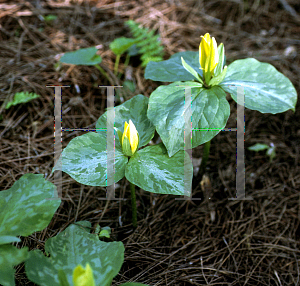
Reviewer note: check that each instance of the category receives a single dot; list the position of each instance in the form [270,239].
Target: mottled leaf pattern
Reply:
[85,160]
[74,246]
[210,110]
[24,208]
[136,110]
[266,89]
[10,256]
[154,171]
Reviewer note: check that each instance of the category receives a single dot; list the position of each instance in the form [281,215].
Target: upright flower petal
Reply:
[204,49]
[134,139]
[208,56]
[130,139]
[83,277]
[126,130]
[214,55]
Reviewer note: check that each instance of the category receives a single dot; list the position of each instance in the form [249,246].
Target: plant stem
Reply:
[127,60]
[102,71]
[204,160]
[133,205]
[117,64]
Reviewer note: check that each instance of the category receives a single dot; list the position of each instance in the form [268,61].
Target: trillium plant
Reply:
[205,73]
[148,167]
[166,168]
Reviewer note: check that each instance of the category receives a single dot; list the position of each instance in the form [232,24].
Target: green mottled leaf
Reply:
[62,277]
[266,89]
[10,256]
[154,171]
[136,110]
[72,247]
[85,160]
[25,208]
[210,110]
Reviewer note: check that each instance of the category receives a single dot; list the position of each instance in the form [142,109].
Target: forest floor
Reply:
[212,241]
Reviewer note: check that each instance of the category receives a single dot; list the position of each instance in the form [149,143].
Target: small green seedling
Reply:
[144,43]
[260,147]
[21,97]
[119,46]
[103,231]
[49,18]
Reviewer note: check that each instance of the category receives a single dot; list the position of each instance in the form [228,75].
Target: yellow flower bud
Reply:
[130,139]
[83,277]
[208,56]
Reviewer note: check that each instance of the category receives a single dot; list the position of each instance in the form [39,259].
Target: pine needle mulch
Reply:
[212,241]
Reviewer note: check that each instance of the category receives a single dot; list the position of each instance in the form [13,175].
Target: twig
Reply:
[289,9]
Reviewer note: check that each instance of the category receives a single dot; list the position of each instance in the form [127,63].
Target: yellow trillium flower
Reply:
[208,56]
[130,139]
[83,277]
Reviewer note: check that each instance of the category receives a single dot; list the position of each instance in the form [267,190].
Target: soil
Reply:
[212,241]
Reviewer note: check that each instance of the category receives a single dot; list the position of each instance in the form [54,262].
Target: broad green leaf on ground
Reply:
[136,110]
[85,160]
[21,97]
[266,89]
[87,57]
[172,70]
[154,171]
[74,246]
[121,45]
[10,256]
[210,110]
[24,208]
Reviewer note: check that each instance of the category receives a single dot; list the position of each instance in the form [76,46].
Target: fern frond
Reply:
[148,44]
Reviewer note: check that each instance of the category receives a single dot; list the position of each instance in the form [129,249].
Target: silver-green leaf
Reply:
[266,89]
